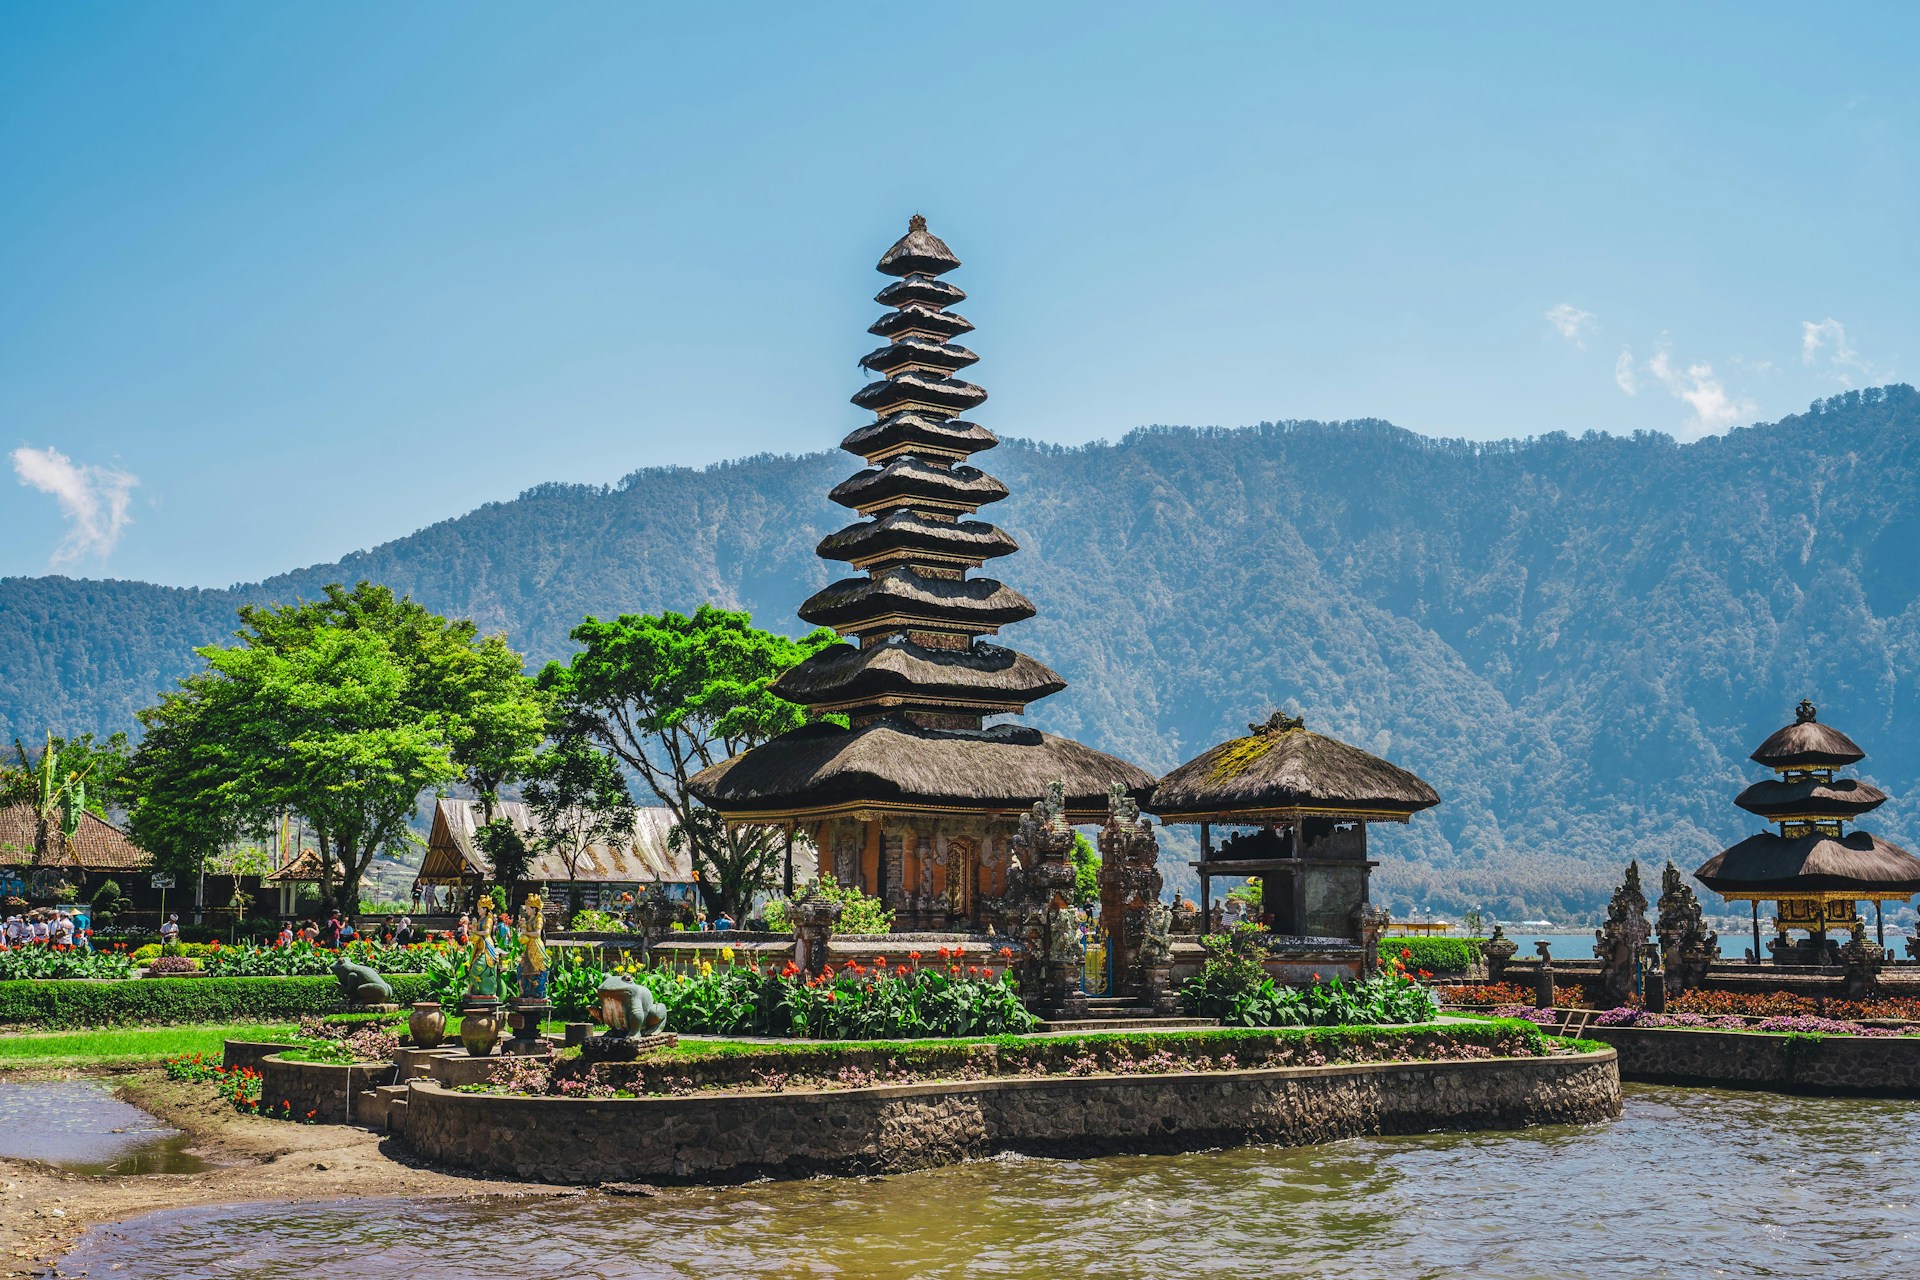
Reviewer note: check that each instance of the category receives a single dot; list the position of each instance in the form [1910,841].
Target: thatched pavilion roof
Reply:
[643,856]
[924,433]
[894,765]
[1776,798]
[1859,862]
[1808,744]
[902,533]
[1283,769]
[98,845]
[986,674]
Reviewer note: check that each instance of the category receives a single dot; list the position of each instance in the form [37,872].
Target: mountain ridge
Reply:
[1575,638]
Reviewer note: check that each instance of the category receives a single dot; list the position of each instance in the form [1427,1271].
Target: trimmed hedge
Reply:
[1436,955]
[61,1005]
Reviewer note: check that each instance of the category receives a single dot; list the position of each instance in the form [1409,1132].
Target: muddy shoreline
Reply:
[44,1210]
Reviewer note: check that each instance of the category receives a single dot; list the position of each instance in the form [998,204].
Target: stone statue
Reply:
[631,1013]
[812,917]
[1543,993]
[1038,908]
[1617,943]
[1369,925]
[533,949]
[1129,881]
[1687,947]
[1863,960]
[1496,951]
[361,984]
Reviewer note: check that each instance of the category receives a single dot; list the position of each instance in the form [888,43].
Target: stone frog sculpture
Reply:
[361,983]
[628,1008]
[631,1013]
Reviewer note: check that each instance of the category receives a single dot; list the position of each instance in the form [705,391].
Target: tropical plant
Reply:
[573,983]
[1234,987]
[594,920]
[1086,871]
[62,962]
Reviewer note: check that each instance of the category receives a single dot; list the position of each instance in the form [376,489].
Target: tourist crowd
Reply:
[49,927]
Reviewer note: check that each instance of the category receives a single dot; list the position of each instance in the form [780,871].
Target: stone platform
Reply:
[710,1138]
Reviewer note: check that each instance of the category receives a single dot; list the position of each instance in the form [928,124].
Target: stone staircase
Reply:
[1124,1013]
[384,1107]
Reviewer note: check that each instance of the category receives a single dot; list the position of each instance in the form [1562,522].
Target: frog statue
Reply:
[533,950]
[631,1012]
[361,983]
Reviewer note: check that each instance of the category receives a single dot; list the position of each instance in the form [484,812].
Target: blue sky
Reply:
[282,281]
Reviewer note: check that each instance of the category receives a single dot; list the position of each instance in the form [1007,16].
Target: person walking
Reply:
[170,931]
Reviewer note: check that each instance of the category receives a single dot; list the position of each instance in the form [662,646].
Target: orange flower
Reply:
[945,952]
[1006,953]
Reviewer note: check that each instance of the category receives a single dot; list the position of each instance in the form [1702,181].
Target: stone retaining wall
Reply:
[729,1137]
[331,1090]
[235,1054]
[1866,1065]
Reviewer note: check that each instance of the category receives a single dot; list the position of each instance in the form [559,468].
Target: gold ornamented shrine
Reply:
[917,800]
[1815,872]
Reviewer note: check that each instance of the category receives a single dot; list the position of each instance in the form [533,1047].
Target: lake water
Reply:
[1690,1183]
[80,1126]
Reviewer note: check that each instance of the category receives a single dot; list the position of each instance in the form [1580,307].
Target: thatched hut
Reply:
[603,870]
[1814,871]
[1301,802]
[916,800]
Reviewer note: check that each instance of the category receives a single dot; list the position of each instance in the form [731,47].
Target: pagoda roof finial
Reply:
[916,223]
[1806,712]
[919,252]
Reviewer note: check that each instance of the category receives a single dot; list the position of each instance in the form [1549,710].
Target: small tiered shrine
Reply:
[1814,871]
[916,801]
[1297,805]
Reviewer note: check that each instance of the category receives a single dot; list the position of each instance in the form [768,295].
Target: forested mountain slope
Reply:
[1576,640]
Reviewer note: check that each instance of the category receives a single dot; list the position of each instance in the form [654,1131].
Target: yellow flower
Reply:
[726,953]
[706,967]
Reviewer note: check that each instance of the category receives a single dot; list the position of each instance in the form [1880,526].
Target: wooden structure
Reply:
[917,799]
[602,872]
[1814,871]
[98,849]
[1301,803]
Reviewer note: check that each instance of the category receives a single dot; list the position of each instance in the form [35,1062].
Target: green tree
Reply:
[343,711]
[670,695]
[578,798]
[1086,870]
[64,782]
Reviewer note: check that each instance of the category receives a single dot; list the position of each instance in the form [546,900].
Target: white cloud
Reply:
[1623,375]
[1827,339]
[93,499]
[1714,408]
[1573,324]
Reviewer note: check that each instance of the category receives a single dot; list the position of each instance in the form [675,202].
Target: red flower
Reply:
[879,962]
[973,971]
[832,996]
[1006,953]
[1426,973]
[945,953]
[1406,953]
[914,956]
[954,969]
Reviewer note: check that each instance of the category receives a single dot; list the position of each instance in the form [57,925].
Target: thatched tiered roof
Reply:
[1282,770]
[1812,854]
[921,679]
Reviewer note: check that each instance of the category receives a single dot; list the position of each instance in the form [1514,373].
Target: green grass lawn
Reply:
[126,1046]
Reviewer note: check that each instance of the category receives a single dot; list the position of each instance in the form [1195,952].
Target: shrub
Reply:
[1234,987]
[173,964]
[302,958]
[861,913]
[59,1005]
[593,920]
[1435,955]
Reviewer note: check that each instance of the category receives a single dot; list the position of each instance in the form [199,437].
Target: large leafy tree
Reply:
[578,798]
[342,710]
[669,695]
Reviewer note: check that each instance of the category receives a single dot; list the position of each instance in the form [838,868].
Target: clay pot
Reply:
[479,1029]
[428,1024]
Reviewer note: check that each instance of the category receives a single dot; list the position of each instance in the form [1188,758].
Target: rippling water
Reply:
[1690,1182]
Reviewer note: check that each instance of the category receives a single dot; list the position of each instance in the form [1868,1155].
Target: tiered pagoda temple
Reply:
[1297,805]
[915,801]
[1814,871]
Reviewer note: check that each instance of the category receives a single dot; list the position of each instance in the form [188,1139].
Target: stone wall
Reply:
[1865,1065]
[330,1090]
[249,1053]
[722,1137]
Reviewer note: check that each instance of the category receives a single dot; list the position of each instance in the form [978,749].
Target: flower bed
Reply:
[691,1066]
[37,960]
[1472,994]
[1781,1004]
[1791,1024]
[304,959]
[860,1001]
[1234,987]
